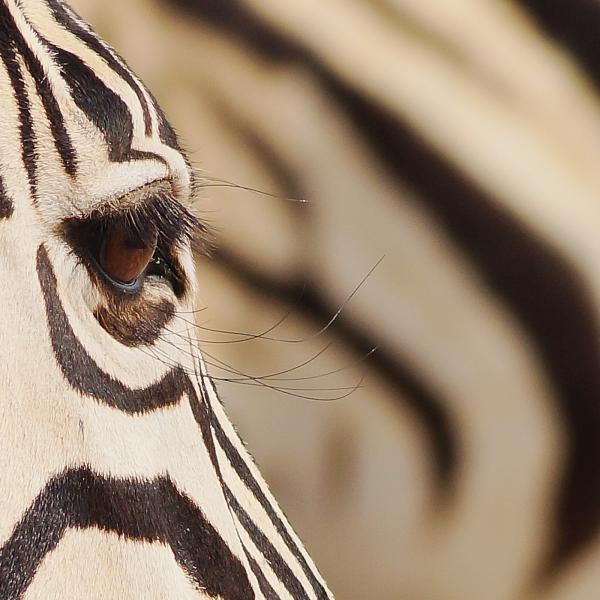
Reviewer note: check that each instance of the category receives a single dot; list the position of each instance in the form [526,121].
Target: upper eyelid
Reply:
[129,200]
[154,203]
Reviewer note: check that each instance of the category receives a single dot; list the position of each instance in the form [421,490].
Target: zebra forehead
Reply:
[74,116]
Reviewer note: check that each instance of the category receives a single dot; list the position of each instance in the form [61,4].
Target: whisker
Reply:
[264,335]
[328,373]
[217,182]
[216,362]
[243,337]
[258,382]
[283,372]
[292,389]
[311,398]
[244,379]
[270,380]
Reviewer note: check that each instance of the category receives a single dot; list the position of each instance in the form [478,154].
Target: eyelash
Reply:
[170,222]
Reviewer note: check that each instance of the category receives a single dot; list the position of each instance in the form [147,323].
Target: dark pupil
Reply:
[125,253]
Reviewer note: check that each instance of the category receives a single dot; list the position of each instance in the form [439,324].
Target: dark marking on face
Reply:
[244,473]
[269,552]
[8,56]
[275,560]
[115,62]
[135,323]
[13,44]
[85,376]
[6,204]
[265,587]
[165,130]
[103,107]
[153,511]
[82,372]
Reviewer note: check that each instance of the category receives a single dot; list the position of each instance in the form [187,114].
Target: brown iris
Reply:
[125,253]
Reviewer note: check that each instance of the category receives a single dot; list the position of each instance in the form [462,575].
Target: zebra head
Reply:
[120,476]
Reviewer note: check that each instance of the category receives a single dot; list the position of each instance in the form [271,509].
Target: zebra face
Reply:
[92,188]
[120,476]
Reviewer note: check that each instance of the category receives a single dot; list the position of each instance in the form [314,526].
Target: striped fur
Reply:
[121,476]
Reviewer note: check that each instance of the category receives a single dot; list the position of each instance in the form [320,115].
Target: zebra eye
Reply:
[126,252]
[123,250]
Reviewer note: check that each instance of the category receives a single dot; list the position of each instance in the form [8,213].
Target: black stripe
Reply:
[550,300]
[84,375]
[62,141]
[9,58]
[166,132]
[275,560]
[6,204]
[265,587]
[151,511]
[244,473]
[141,325]
[280,568]
[115,62]
[576,24]
[82,372]
[99,103]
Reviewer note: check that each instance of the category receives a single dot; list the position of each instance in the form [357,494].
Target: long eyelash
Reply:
[174,224]
[160,214]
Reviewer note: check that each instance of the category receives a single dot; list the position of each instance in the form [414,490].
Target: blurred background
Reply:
[459,140]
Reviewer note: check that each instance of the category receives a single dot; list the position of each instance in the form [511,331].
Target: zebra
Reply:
[121,476]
